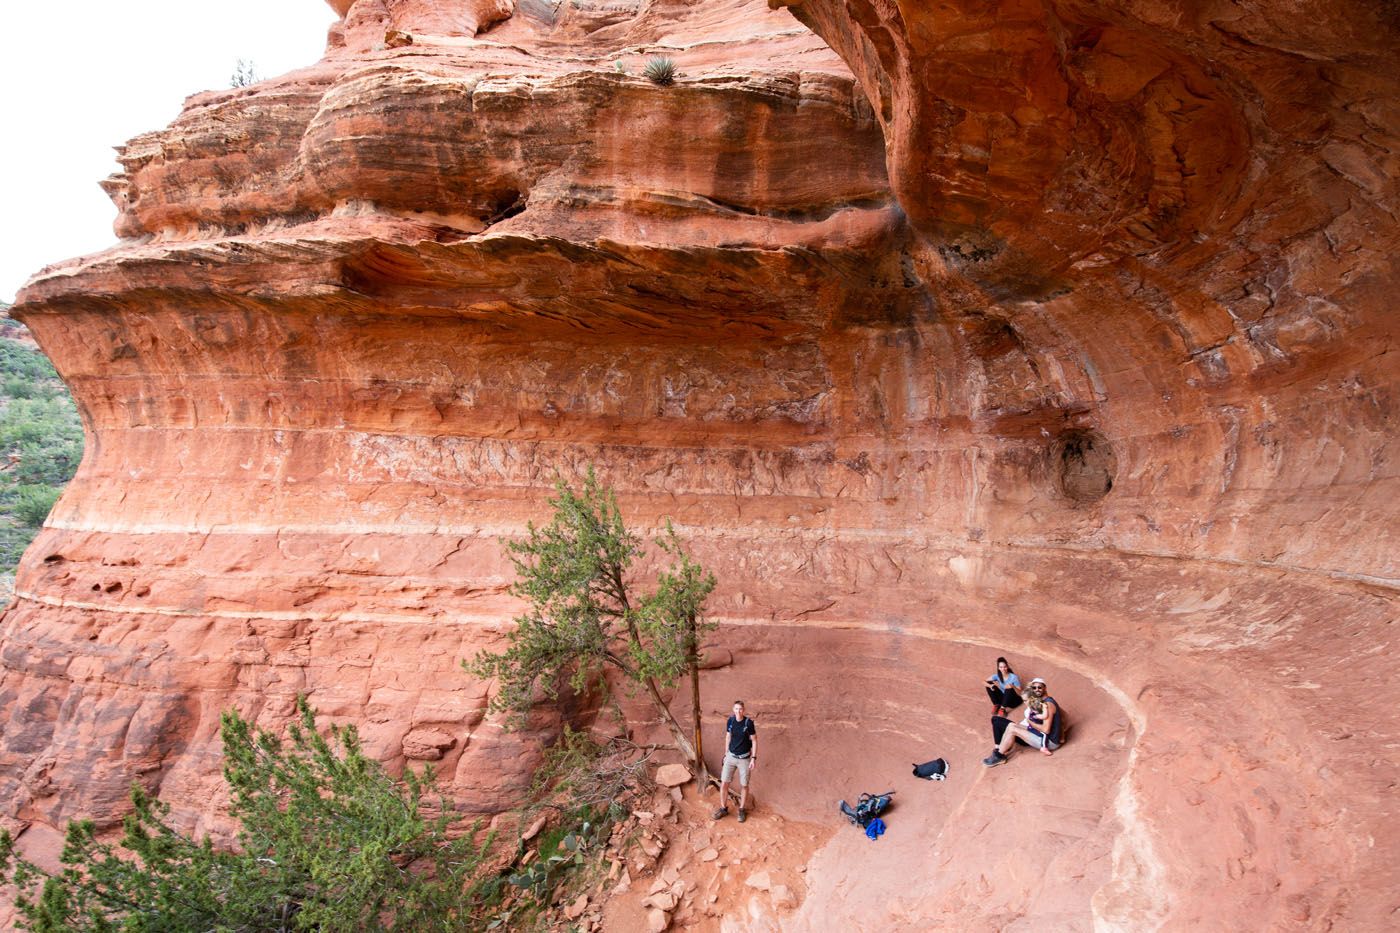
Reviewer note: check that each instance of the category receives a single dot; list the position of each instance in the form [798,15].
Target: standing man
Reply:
[740,754]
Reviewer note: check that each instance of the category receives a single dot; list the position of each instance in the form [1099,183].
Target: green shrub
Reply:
[567,846]
[660,70]
[41,443]
[17,359]
[38,420]
[33,504]
[50,465]
[26,421]
[328,841]
[13,541]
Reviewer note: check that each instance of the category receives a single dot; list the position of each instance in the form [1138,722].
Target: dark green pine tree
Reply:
[587,613]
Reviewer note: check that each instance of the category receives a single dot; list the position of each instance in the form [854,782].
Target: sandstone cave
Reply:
[1059,330]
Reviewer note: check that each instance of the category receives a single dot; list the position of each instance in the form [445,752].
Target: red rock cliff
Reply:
[1060,328]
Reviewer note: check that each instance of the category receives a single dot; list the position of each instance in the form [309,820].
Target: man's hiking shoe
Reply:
[721,813]
[743,815]
[994,759]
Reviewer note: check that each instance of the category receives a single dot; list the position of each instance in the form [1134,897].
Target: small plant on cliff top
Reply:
[660,70]
[244,74]
[587,613]
[328,842]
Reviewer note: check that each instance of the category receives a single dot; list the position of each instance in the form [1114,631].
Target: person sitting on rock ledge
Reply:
[1004,688]
[741,754]
[1041,727]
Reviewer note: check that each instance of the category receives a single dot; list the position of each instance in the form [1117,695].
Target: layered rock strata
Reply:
[1060,329]
[360,319]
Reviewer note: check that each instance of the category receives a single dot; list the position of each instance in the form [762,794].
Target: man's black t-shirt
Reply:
[740,745]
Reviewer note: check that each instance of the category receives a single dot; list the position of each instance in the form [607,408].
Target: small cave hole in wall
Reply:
[1083,465]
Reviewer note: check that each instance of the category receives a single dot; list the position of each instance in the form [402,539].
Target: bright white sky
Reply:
[78,77]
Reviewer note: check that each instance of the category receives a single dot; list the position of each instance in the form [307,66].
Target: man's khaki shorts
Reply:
[731,764]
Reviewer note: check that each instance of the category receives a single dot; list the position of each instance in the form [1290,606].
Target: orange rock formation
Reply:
[1054,329]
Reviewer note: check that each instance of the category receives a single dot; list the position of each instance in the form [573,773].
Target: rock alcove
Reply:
[1075,346]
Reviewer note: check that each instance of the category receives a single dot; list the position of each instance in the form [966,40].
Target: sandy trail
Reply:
[843,711]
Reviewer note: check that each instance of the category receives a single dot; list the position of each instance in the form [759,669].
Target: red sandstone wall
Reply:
[1075,338]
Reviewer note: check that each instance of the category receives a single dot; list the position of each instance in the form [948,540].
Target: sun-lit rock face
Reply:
[1060,329]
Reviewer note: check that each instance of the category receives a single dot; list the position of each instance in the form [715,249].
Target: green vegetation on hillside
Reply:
[41,441]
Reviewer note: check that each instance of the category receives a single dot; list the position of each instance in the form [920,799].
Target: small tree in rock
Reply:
[587,613]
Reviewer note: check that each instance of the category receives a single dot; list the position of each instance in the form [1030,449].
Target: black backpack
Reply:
[936,770]
[867,807]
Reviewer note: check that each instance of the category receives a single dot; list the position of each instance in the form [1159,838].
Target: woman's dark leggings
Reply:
[1008,698]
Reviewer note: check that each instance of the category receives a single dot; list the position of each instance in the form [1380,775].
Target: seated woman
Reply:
[1041,728]
[1004,688]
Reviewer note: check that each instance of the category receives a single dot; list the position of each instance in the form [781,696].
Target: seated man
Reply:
[1041,728]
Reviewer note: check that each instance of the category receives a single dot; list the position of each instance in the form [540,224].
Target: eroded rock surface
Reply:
[1060,328]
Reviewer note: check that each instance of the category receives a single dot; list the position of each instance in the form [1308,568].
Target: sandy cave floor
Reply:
[842,711]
